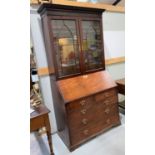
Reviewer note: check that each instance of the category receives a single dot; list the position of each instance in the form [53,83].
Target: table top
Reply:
[85,85]
[121,81]
[40,110]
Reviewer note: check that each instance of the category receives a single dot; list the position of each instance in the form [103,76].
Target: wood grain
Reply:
[84,85]
[90,5]
[38,119]
[45,71]
[34,2]
[114,60]
[107,7]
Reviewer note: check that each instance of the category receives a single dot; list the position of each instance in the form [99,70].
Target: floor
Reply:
[111,142]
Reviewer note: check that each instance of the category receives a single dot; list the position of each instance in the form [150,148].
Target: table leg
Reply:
[48,130]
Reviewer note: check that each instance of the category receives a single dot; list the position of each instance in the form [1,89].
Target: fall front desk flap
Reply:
[85,85]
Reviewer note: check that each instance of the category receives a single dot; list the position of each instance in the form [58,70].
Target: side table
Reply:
[38,119]
[121,90]
[121,86]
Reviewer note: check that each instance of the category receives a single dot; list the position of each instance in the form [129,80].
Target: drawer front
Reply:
[108,112]
[85,103]
[91,112]
[96,114]
[82,134]
[36,123]
[108,101]
[104,95]
[81,118]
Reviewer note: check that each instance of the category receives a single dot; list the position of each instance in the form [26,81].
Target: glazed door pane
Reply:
[92,45]
[66,47]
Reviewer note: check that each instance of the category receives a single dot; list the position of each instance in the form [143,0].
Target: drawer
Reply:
[103,117]
[106,112]
[108,101]
[84,103]
[104,95]
[36,123]
[81,118]
[95,113]
[83,134]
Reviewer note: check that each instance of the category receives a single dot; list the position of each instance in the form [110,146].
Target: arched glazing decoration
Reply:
[66,47]
[92,45]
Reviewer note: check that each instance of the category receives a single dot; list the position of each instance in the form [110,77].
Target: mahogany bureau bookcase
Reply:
[84,95]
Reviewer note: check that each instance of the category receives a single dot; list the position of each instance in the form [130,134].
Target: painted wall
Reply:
[114,34]
[114,46]
[114,41]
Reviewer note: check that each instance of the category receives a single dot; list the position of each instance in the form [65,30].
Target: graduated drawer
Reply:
[84,117]
[82,134]
[106,112]
[104,95]
[107,101]
[85,103]
[81,118]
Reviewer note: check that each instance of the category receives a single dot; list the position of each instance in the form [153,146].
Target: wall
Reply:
[114,41]
[114,47]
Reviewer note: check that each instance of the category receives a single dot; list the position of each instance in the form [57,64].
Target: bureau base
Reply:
[85,107]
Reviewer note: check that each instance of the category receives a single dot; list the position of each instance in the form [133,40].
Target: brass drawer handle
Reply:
[107,110]
[82,102]
[85,132]
[83,111]
[108,121]
[84,121]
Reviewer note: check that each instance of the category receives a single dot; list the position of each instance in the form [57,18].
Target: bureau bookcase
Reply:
[84,95]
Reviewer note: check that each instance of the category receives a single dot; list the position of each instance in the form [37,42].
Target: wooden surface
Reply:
[38,119]
[85,105]
[91,116]
[104,6]
[121,86]
[80,120]
[41,110]
[45,71]
[97,118]
[58,12]
[85,85]
[90,5]
[114,60]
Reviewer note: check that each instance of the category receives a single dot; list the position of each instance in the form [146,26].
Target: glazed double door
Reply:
[77,44]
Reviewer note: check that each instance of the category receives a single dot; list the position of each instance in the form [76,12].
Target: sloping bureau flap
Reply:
[85,85]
